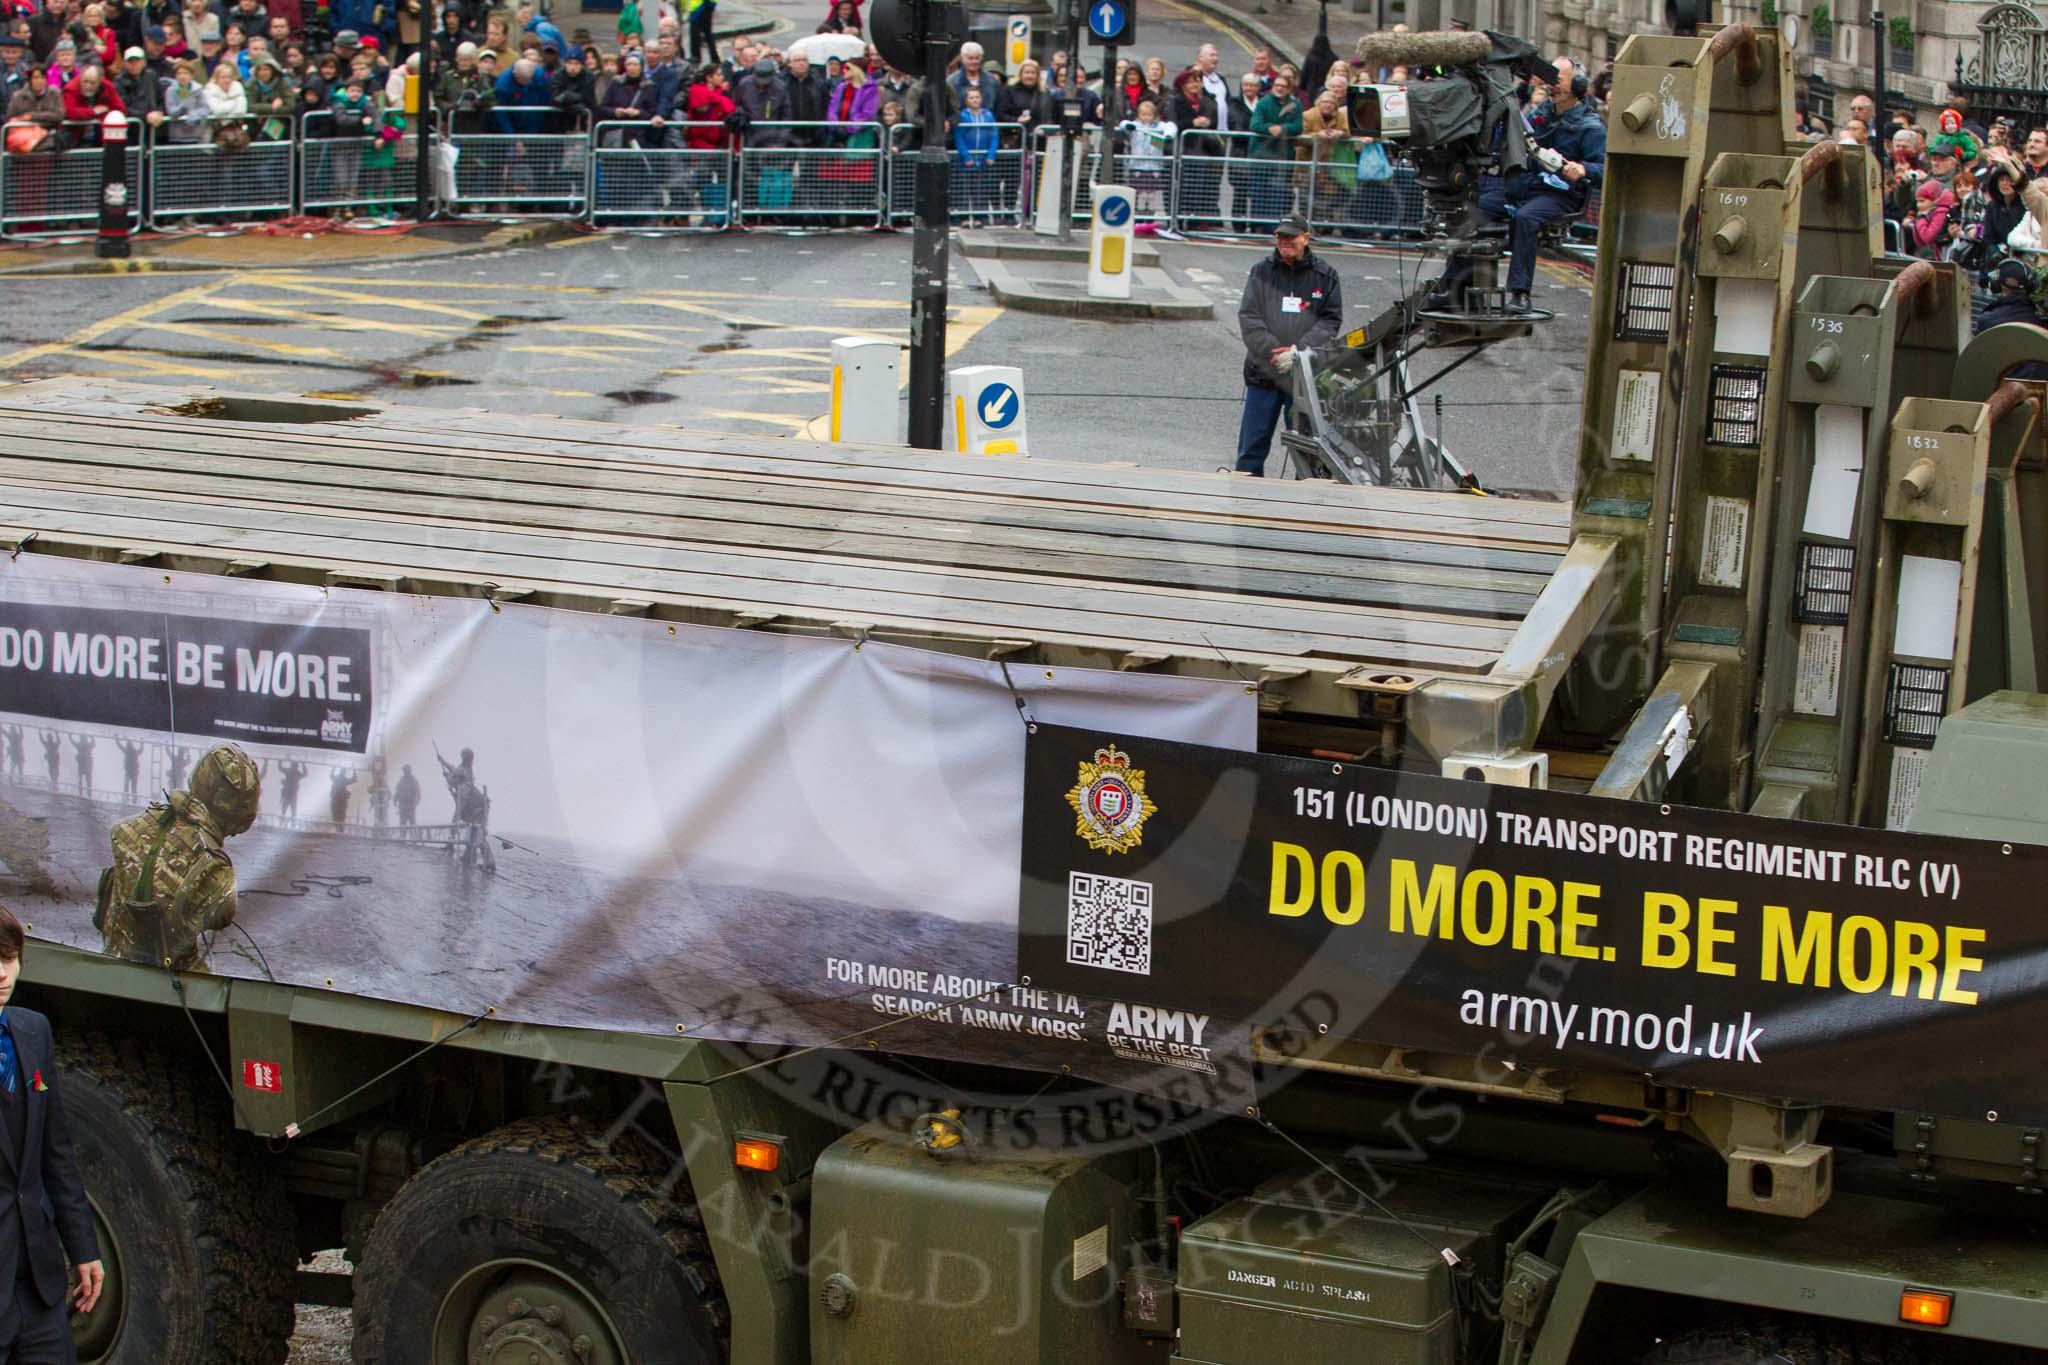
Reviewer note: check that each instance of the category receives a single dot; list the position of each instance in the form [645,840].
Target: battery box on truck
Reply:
[974,1252]
[1303,1269]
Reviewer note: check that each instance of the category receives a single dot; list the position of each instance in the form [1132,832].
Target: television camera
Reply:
[1356,412]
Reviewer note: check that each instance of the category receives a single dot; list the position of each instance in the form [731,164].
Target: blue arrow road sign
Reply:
[998,406]
[1106,18]
[1115,211]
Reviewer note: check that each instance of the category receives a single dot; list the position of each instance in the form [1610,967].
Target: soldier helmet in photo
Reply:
[228,784]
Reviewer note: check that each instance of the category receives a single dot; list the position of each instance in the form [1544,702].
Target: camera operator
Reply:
[1570,158]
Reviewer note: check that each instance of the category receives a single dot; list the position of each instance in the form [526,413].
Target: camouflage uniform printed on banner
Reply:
[172,880]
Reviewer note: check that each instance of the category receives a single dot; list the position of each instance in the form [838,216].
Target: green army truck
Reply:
[713,899]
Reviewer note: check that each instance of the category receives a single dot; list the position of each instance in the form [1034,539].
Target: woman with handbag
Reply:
[227,105]
[35,122]
[853,108]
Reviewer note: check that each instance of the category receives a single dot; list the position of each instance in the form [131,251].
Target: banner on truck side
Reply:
[570,818]
[1537,929]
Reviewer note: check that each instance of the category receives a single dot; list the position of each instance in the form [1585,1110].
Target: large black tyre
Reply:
[532,1236]
[201,1252]
[1769,1340]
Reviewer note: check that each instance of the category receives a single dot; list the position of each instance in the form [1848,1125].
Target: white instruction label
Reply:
[1818,689]
[1635,415]
[1724,547]
[1837,471]
[1930,593]
[1091,1252]
[1908,766]
[1745,314]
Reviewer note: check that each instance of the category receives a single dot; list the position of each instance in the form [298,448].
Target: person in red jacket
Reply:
[708,106]
[88,100]
[707,184]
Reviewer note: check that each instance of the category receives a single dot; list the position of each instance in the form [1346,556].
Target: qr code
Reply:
[1109,923]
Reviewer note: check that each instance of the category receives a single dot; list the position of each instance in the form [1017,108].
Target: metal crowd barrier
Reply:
[791,172]
[355,172]
[998,190]
[629,174]
[645,177]
[45,194]
[519,175]
[208,180]
[1228,184]
[1229,192]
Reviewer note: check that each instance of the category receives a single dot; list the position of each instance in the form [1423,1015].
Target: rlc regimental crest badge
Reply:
[1109,801]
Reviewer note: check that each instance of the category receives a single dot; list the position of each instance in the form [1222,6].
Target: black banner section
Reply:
[251,681]
[1822,963]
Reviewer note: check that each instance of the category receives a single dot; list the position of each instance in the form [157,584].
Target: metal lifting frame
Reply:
[1765,223]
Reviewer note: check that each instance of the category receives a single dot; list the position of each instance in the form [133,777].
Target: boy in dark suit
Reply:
[44,1218]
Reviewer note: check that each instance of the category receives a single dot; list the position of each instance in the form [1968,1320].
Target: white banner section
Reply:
[604,821]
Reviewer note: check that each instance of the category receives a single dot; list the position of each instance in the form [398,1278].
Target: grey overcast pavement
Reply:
[733,333]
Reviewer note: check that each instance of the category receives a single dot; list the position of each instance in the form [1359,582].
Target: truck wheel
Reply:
[195,1231]
[536,1243]
[1792,1341]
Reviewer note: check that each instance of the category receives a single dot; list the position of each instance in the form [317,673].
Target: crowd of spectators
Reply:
[233,72]
[1971,193]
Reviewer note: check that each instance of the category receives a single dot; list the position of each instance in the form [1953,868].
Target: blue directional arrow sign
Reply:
[1115,211]
[998,406]
[1107,18]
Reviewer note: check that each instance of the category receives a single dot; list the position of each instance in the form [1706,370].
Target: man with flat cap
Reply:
[1291,299]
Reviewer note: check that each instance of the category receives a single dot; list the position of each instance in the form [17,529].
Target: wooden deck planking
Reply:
[846,534]
[427,559]
[1127,561]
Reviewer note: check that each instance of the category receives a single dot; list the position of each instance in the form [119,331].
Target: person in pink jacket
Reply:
[1937,205]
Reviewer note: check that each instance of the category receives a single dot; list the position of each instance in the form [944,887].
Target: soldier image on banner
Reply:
[13,735]
[52,748]
[172,880]
[289,772]
[407,794]
[338,785]
[131,765]
[472,809]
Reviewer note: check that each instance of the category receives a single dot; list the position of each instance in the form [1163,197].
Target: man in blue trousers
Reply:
[1291,299]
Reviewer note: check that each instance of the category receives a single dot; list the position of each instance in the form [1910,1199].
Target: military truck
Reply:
[890,908]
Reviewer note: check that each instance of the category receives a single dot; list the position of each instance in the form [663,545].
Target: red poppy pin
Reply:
[38,1083]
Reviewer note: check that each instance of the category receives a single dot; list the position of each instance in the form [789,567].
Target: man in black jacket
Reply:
[44,1218]
[573,88]
[1290,299]
[808,94]
[2012,300]
[137,86]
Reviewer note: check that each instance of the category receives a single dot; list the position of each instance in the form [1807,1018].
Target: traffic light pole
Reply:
[928,262]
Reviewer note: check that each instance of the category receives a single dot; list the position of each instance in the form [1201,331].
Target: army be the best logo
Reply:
[1109,801]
